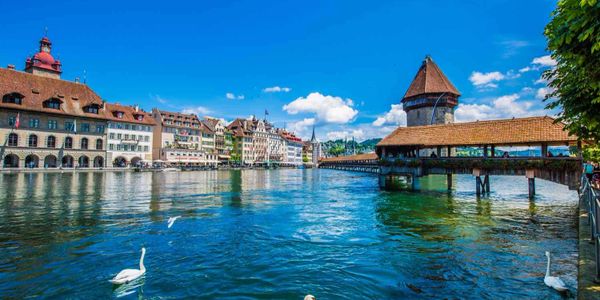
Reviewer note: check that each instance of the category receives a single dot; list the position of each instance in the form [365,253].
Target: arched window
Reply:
[51,142]
[53,103]
[33,140]
[14,98]
[13,140]
[68,142]
[84,143]
[99,144]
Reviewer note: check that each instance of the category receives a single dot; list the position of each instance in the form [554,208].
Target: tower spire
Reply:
[313,138]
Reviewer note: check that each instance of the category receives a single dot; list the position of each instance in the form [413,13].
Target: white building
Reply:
[293,149]
[129,136]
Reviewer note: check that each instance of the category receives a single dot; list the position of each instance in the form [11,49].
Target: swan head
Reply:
[547,253]
[143,250]
[309,297]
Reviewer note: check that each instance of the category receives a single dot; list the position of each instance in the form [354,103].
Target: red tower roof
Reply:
[430,80]
[43,59]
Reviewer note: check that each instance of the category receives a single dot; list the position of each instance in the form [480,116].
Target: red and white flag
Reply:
[18,121]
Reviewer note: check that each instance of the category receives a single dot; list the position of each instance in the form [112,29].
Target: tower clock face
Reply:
[45,48]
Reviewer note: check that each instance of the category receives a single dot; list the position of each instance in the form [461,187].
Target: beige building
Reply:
[49,122]
[177,140]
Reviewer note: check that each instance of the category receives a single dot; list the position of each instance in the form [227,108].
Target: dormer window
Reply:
[52,103]
[92,108]
[139,117]
[118,114]
[14,98]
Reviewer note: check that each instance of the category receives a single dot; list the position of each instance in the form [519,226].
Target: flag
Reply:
[18,121]
[266,112]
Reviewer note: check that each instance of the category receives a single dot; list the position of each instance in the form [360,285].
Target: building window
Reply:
[68,142]
[85,127]
[126,136]
[51,142]
[69,126]
[99,144]
[33,140]
[52,124]
[84,143]
[125,147]
[119,136]
[119,147]
[14,98]
[53,103]
[139,149]
[92,109]
[12,120]
[145,148]
[13,140]
[118,114]
[127,126]
[111,147]
[100,128]
[34,123]
[146,138]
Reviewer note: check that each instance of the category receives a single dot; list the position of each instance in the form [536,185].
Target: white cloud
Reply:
[198,110]
[301,128]
[500,108]
[395,116]
[328,109]
[232,96]
[358,134]
[541,81]
[526,69]
[544,61]
[542,92]
[276,89]
[486,79]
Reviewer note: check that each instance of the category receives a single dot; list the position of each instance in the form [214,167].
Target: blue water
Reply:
[280,235]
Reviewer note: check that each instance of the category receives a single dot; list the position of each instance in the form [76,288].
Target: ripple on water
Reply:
[280,234]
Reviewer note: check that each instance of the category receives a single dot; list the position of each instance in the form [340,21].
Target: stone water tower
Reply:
[431,97]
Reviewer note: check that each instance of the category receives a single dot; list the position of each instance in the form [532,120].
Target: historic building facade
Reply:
[177,140]
[129,136]
[46,121]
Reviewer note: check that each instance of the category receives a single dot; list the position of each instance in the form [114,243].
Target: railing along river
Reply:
[592,202]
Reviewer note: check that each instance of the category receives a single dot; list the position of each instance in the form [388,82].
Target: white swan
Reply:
[171,221]
[552,281]
[309,297]
[129,275]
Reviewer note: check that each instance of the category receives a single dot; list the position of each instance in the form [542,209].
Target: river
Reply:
[281,234]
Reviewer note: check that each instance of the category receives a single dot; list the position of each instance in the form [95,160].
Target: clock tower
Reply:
[42,63]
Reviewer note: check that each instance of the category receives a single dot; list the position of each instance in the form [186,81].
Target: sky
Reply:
[340,66]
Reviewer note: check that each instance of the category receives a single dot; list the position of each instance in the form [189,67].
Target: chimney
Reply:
[136,107]
[103,104]
[10,67]
[76,79]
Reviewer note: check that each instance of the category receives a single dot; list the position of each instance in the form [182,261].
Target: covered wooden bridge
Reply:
[412,152]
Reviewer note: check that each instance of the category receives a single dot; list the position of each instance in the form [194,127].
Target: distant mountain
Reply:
[341,147]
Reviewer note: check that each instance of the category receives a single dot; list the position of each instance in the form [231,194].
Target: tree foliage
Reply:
[574,38]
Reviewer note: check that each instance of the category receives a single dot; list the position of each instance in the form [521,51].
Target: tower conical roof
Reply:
[430,80]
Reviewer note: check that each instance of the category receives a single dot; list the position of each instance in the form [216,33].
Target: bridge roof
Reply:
[516,131]
[365,156]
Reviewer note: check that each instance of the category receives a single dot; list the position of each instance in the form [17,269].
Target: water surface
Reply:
[280,235]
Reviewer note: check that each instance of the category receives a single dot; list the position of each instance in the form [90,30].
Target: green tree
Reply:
[574,38]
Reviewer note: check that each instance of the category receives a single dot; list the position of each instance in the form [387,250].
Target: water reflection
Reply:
[279,234]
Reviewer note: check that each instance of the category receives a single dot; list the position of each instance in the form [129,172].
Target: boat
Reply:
[170,170]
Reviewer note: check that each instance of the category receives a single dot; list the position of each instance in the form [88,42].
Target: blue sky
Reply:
[340,65]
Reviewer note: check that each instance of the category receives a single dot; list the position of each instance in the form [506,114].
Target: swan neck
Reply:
[142,267]
[548,267]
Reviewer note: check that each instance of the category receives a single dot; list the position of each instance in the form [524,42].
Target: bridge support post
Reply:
[530,174]
[486,183]
[449,181]
[478,186]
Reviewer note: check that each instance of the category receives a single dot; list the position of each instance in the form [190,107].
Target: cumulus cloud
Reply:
[276,89]
[198,110]
[544,61]
[542,92]
[502,107]
[395,116]
[357,134]
[301,128]
[327,109]
[232,96]
[486,79]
